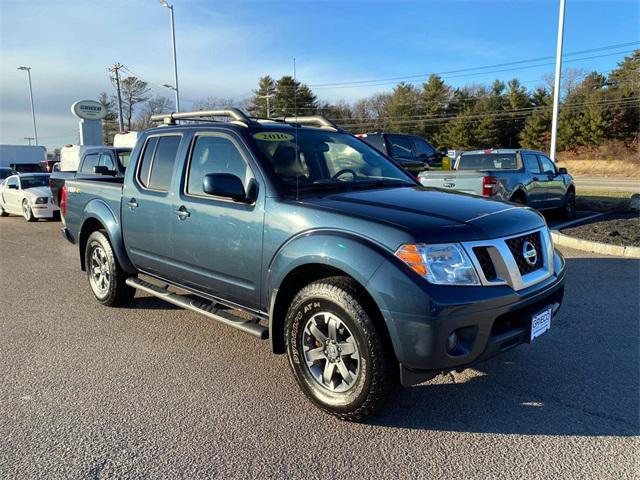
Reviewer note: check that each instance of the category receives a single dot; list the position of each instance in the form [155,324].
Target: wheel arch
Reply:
[519,192]
[98,216]
[317,256]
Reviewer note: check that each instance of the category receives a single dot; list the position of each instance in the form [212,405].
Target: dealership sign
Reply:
[89,110]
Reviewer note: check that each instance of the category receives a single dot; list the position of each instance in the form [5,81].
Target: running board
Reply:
[205,308]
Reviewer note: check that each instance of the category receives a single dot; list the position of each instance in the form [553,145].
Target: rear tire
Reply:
[335,351]
[519,199]
[3,213]
[106,276]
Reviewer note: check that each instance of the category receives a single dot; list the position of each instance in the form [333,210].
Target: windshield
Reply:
[34,181]
[326,160]
[487,161]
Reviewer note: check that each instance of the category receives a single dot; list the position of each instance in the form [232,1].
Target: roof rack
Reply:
[313,120]
[237,116]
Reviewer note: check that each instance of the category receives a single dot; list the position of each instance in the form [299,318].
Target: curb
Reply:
[594,247]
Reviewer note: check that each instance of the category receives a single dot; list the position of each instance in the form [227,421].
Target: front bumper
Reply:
[488,320]
[46,210]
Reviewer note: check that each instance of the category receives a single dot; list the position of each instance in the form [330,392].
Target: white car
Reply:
[28,195]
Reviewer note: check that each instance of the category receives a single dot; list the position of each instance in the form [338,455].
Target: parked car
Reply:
[414,153]
[303,234]
[522,176]
[6,172]
[27,195]
[91,161]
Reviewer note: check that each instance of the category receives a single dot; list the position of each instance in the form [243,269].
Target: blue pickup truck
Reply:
[295,231]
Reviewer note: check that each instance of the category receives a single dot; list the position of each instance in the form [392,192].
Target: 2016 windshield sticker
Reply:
[273,137]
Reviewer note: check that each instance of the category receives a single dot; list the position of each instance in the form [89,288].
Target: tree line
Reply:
[594,108]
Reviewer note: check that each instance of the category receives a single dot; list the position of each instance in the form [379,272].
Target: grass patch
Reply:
[602,201]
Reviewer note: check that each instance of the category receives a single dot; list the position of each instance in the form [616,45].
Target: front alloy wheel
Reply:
[337,353]
[99,274]
[27,213]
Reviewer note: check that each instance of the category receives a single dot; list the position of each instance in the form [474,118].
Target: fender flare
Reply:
[355,255]
[519,189]
[99,211]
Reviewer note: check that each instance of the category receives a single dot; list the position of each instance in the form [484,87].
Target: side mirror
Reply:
[12,187]
[102,170]
[224,185]
[562,171]
[443,151]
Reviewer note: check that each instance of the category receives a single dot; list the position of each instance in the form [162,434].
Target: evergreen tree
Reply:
[263,97]
[293,98]
[435,97]
[403,108]
[515,99]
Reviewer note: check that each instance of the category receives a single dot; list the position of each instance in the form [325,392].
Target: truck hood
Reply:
[433,215]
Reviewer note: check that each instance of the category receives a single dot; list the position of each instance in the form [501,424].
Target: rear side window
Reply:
[423,148]
[214,154]
[90,161]
[400,147]
[531,162]
[158,158]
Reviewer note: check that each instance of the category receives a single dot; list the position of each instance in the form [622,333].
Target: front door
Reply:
[217,242]
[147,204]
[11,196]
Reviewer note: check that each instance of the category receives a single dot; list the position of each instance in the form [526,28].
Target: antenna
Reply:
[295,128]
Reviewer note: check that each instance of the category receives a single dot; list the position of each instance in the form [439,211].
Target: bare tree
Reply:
[133,91]
[154,106]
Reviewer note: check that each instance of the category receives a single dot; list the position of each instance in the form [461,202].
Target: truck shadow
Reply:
[580,378]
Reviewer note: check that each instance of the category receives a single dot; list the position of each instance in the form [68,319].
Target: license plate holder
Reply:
[540,323]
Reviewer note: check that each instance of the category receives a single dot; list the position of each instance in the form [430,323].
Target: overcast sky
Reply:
[224,46]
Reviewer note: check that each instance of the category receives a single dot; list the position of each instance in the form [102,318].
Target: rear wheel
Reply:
[27,213]
[3,213]
[519,199]
[335,351]
[106,276]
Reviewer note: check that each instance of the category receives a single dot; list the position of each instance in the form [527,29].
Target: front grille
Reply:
[484,259]
[516,247]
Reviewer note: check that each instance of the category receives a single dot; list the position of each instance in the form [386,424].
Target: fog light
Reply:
[452,342]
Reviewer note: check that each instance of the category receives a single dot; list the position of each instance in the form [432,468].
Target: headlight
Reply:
[41,200]
[444,264]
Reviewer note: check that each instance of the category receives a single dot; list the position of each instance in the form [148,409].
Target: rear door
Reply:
[147,204]
[533,183]
[217,243]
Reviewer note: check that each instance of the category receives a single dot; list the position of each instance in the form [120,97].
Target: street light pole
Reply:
[33,112]
[165,4]
[556,83]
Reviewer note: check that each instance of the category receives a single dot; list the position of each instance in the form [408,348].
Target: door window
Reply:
[12,181]
[90,161]
[106,161]
[215,154]
[547,165]
[400,147]
[531,163]
[156,167]
[423,148]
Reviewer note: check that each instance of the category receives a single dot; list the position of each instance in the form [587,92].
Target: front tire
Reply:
[568,210]
[27,213]
[106,276]
[335,351]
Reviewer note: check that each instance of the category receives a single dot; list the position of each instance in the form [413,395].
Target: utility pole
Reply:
[556,83]
[268,96]
[33,112]
[116,70]
[29,139]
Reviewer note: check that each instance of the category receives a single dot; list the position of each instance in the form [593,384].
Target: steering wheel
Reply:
[342,172]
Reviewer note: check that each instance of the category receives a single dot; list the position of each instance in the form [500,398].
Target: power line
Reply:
[469,69]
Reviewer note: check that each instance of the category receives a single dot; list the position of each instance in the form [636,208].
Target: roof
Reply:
[498,151]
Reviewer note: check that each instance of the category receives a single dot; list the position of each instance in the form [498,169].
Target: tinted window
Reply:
[162,165]
[106,161]
[145,162]
[400,147]
[12,181]
[35,181]
[423,148]
[531,163]
[214,154]
[90,161]
[547,164]
[487,161]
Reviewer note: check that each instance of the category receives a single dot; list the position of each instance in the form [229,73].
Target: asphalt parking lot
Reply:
[152,391]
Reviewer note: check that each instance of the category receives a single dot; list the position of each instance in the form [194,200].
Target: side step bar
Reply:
[207,309]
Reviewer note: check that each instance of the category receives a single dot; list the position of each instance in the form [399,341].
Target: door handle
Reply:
[182,213]
[132,203]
